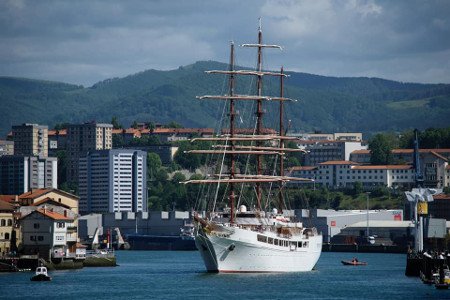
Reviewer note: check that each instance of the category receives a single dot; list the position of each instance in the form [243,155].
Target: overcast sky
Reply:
[83,42]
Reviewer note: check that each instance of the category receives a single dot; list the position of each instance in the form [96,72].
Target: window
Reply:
[40,238]
[9,222]
[60,225]
[3,222]
[36,225]
[7,236]
[32,238]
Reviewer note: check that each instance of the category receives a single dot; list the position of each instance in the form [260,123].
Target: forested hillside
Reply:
[326,103]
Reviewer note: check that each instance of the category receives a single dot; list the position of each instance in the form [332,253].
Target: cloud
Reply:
[87,41]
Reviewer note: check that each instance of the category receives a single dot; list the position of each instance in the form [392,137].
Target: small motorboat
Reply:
[353,262]
[41,275]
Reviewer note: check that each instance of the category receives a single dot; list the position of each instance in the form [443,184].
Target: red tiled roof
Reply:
[139,132]
[8,198]
[57,132]
[34,193]
[6,206]
[53,215]
[362,151]
[338,162]
[48,199]
[383,167]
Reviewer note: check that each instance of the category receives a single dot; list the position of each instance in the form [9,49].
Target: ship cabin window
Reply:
[262,238]
[305,244]
[270,240]
[275,242]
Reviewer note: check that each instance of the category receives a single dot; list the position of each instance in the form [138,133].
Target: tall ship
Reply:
[254,231]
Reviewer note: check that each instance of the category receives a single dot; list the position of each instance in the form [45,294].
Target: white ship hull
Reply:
[242,252]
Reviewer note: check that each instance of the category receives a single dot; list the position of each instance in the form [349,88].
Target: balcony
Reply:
[71,237]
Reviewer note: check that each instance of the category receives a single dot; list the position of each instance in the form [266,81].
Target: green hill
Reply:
[326,103]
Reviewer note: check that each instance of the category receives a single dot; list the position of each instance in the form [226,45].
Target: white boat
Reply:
[41,275]
[256,241]
[276,246]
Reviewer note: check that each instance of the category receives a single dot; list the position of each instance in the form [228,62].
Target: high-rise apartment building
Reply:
[113,181]
[30,140]
[82,138]
[19,174]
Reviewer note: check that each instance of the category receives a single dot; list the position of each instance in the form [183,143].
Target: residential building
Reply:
[48,234]
[6,147]
[113,181]
[433,163]
[341,174]
[327,150]
[82,138]
[6,226]
[19,174]
[338,136]
[37,196]
[30,140]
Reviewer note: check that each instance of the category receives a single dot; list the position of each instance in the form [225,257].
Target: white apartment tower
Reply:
[113,181]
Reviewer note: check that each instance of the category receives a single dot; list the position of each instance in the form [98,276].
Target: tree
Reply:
[357,188]
[151,126]
[161,175]
[187,160]
[381,146]
[153,164]
[178,177]
[115,123]
[117,141]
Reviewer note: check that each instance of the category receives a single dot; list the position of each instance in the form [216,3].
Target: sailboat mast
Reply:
[281,198]
[232,195]
[259,114]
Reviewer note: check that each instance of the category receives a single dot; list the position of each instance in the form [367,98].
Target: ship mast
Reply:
[259,136]
[281,198]
[259,115]
[232,142]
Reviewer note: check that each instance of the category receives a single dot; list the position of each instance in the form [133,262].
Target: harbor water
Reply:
[181,275]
